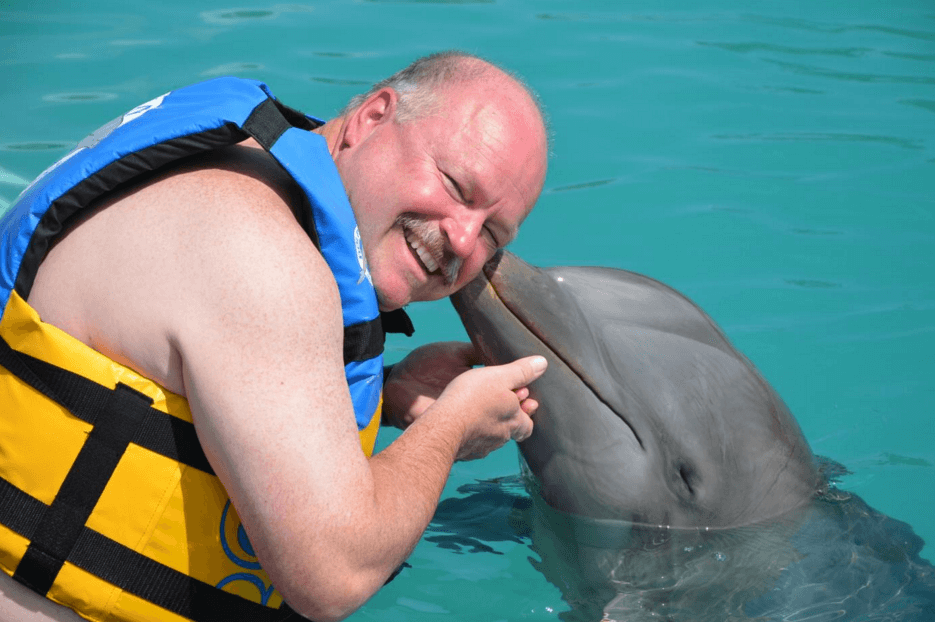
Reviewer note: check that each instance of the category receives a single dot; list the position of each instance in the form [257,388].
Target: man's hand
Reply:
[416,382]
[492,404]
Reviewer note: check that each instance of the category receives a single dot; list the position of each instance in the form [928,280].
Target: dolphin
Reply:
[647,413]
[668,479]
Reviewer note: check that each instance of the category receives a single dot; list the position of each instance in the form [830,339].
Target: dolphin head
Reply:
[647,413]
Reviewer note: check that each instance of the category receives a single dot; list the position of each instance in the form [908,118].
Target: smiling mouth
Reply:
[420,252]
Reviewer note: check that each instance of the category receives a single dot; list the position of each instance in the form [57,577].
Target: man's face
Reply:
[435,197]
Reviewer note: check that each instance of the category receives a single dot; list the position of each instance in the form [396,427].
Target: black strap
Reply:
[363,341]
[397,321]
[158,432]
[266,124]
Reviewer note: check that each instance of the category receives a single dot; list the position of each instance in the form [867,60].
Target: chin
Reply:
[396,295]
[389,303]
[391,298]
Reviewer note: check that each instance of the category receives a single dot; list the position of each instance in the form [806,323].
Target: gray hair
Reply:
[417,85]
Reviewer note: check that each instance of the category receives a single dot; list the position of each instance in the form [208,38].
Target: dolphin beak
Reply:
[491,266]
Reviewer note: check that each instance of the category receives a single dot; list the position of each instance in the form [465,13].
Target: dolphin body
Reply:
[668,478]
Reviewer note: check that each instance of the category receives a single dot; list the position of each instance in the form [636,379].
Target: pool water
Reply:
[773,161]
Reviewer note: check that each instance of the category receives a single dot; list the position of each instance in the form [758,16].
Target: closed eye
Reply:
[493,237]
[455,186]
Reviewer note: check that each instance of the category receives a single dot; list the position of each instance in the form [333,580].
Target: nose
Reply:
[463,230]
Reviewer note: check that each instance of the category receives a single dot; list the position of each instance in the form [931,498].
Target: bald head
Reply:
[421,85]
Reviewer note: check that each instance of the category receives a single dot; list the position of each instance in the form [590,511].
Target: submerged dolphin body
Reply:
[669,479]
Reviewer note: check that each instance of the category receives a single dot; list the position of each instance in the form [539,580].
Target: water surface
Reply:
[773,161]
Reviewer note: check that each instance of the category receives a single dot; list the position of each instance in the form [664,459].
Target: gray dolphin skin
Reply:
[647,414]
[668,480]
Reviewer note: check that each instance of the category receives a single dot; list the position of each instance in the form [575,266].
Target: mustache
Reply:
[434,242]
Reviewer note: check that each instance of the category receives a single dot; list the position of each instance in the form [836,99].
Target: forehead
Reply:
[493,136]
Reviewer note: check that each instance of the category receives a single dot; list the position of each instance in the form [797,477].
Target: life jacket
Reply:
[107,502]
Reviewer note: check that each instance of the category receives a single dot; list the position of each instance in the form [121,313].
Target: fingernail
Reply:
[538,363]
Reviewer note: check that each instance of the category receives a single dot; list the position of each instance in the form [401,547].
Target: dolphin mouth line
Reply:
[574,369]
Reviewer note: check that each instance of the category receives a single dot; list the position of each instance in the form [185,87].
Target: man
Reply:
[204,289]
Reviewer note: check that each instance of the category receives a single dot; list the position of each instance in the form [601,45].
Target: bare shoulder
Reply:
[152,265]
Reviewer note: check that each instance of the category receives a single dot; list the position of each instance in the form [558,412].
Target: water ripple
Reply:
[821,72]
[924,104]
[802,231]
[746,48]
[906,55]
[421,605]
[339,81]
[807,25]
[813,283]
[234,16]
[228,69]
[792,89]
[585,185]
[564,17]
[896,459]
[824,136]
[246,15]
[39,145]
[135,42]
[899,32]
[78,98]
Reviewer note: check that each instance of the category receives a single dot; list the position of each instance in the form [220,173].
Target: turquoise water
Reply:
[775,162]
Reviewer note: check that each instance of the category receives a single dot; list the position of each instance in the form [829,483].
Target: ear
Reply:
[378,109]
